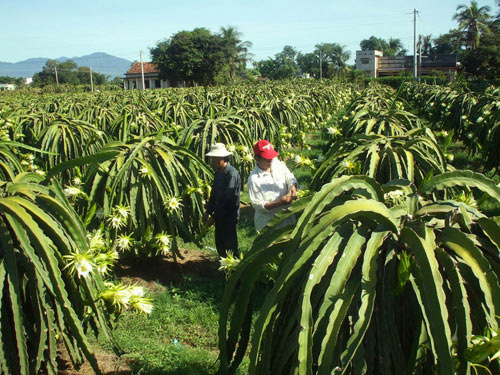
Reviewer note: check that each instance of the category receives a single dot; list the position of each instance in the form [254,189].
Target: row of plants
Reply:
[471,118]
[146,150]
[87,178]
[391,267]
[391,232]
[51,291]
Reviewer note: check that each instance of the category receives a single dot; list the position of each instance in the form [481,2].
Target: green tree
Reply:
[191,57]
[235,49]
[83,76]
[13,80]
[425,43]
[449,42]
[392,47]
[473,20]
[267,67]
[48,74]
[66,73]
[308,63]
[374,43]
[333,58]
[287,62]
[484,61]
[117,81]
[396,47]
[282,66]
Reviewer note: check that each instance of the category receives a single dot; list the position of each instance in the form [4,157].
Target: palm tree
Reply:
[235,49]
[426,42]
[396,47]
[474,21]
[340,56]
[334,58]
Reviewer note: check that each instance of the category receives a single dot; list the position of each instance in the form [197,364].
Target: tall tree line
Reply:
[200,57]
[476,41]
[326,61]
[69,72]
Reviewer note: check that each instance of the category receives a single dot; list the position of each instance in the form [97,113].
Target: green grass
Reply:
[180,335]
[464,160]
[244,196]
[246,235]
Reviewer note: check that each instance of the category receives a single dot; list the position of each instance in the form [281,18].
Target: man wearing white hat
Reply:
[224,202]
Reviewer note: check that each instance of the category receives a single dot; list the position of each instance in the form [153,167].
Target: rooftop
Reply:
[149,68]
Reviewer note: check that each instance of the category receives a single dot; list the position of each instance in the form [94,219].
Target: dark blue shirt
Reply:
[224,201]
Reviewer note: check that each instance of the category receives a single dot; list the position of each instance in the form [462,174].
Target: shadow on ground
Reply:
[164,270]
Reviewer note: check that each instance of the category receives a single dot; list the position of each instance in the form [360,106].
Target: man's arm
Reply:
[285,199]
[257,197]
[291,181]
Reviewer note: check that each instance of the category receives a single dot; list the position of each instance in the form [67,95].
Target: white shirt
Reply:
[264,187]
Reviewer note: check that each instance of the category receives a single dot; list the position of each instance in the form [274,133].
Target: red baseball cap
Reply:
[264,149]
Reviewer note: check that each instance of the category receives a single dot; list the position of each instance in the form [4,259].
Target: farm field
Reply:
[101,194]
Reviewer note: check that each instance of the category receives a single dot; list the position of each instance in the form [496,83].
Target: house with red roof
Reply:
[152,80]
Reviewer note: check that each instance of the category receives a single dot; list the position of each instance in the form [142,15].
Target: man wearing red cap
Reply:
[271,185]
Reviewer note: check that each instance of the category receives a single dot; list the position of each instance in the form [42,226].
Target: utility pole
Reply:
[320,66]
[57,80]
[91,81]
[142,73]
[419,58]
[415,43]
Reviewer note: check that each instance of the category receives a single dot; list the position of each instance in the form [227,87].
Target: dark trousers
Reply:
[226,237]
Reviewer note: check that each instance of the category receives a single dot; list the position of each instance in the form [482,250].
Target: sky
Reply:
[123,28]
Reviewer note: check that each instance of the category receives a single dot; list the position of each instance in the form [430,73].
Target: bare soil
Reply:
[109,363]
[149,272]
[153,274]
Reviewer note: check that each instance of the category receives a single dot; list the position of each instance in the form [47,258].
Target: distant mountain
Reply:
[100,62]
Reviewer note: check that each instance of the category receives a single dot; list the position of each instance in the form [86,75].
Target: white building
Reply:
[133,77]
[7,86]
[368,61]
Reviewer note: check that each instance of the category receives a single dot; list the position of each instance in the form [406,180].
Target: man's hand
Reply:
[285,199]
[293,192]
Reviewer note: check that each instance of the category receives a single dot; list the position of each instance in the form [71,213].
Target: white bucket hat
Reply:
[218,150]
